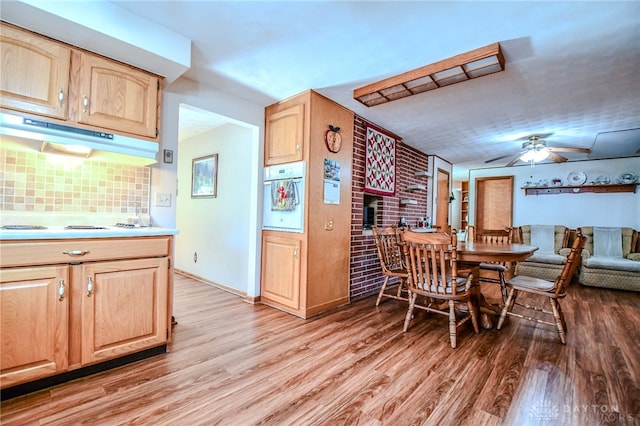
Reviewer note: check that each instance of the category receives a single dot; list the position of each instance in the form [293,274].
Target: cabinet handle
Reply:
[297,147]
[76,252]
[85,103]
[61,290]
[295,252]
[61,97]
[89,286]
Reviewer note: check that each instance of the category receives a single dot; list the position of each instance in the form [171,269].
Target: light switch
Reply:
[163,199]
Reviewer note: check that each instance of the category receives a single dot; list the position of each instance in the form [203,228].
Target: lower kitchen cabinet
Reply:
[100,305]
[124,307]
[35,305]
[281,270]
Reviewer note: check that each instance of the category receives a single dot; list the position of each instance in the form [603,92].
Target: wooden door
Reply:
[35,73]
[284,134]
[116,96]
[124,307]
[281,271]
[34,303]
[494,202]
[442,201]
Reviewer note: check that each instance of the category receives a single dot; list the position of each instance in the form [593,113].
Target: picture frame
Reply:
[204,176]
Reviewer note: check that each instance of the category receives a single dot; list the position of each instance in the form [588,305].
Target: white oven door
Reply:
[283,207]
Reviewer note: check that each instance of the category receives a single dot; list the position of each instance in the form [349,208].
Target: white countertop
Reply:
[58,232]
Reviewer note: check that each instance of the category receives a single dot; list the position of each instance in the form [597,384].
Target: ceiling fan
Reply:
[535,149]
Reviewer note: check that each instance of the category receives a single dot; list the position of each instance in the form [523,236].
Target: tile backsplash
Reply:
[34,182]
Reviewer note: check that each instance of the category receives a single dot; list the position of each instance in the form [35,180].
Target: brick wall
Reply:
[366,277]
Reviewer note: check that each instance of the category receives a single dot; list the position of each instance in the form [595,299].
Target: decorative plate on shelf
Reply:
[602,180]
[628,177]
[576,178]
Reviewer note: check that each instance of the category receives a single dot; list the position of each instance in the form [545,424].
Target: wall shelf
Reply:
[546,190]
[416,186]
[405,202]
[464,205]
[422,173]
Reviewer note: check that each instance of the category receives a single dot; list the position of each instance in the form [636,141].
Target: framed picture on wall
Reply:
[204,177]
[380,162]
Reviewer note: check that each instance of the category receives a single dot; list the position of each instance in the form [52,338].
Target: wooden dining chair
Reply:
[392,263]
[493,272]
[553,291]
[431,261]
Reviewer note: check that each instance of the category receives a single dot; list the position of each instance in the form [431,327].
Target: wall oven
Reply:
[283,206]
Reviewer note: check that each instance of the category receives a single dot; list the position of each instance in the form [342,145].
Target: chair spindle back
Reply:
[431,261]
[569,269]
[388,245]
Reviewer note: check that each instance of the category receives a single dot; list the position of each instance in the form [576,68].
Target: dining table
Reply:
[469,256]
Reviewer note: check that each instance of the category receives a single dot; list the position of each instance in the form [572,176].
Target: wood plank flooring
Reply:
[232,363]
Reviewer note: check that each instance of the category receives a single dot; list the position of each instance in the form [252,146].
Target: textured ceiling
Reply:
[571,69]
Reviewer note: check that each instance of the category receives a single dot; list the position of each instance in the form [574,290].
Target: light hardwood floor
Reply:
[232,363]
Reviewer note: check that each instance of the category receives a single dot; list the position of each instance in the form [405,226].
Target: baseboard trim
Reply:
[211,283]
[36,385]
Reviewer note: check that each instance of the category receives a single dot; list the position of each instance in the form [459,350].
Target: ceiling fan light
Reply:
[540,155]
[528,156]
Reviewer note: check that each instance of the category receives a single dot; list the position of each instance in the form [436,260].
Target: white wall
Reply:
[571,210]
[217,229]
[164,176]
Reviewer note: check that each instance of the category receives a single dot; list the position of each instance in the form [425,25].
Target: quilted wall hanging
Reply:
[380,162]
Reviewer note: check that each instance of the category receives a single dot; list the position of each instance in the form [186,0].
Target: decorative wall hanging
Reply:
[380,162]
[333,139]
[204,176]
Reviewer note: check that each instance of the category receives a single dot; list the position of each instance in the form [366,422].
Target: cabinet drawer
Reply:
[31,253]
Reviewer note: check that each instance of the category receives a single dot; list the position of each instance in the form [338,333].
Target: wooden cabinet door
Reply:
[281,270]
[34,306]
[124,307]
[284,134]
[114,96]
[35,73]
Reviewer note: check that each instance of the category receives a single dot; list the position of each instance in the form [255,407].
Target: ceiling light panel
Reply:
[475,63]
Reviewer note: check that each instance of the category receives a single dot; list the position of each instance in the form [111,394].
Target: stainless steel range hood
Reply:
[38,134]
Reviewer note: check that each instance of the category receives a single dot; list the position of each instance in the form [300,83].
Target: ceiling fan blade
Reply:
[498,158]
[556,158]
[514,161]
[559,149]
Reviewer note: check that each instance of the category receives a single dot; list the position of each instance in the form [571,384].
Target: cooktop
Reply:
[23,227]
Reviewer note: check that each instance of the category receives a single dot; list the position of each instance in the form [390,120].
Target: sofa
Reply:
[553,242]
[610,258]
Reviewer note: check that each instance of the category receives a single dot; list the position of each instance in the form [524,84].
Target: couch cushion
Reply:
[558,238]
[552,258]
[607,242]
[600,262]
[542,236]
[627,237]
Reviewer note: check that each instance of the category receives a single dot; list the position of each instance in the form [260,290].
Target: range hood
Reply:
[39,134]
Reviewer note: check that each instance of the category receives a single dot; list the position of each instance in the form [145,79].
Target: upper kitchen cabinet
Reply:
[49,78]
[285,131]
[116,96]
[35,73]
